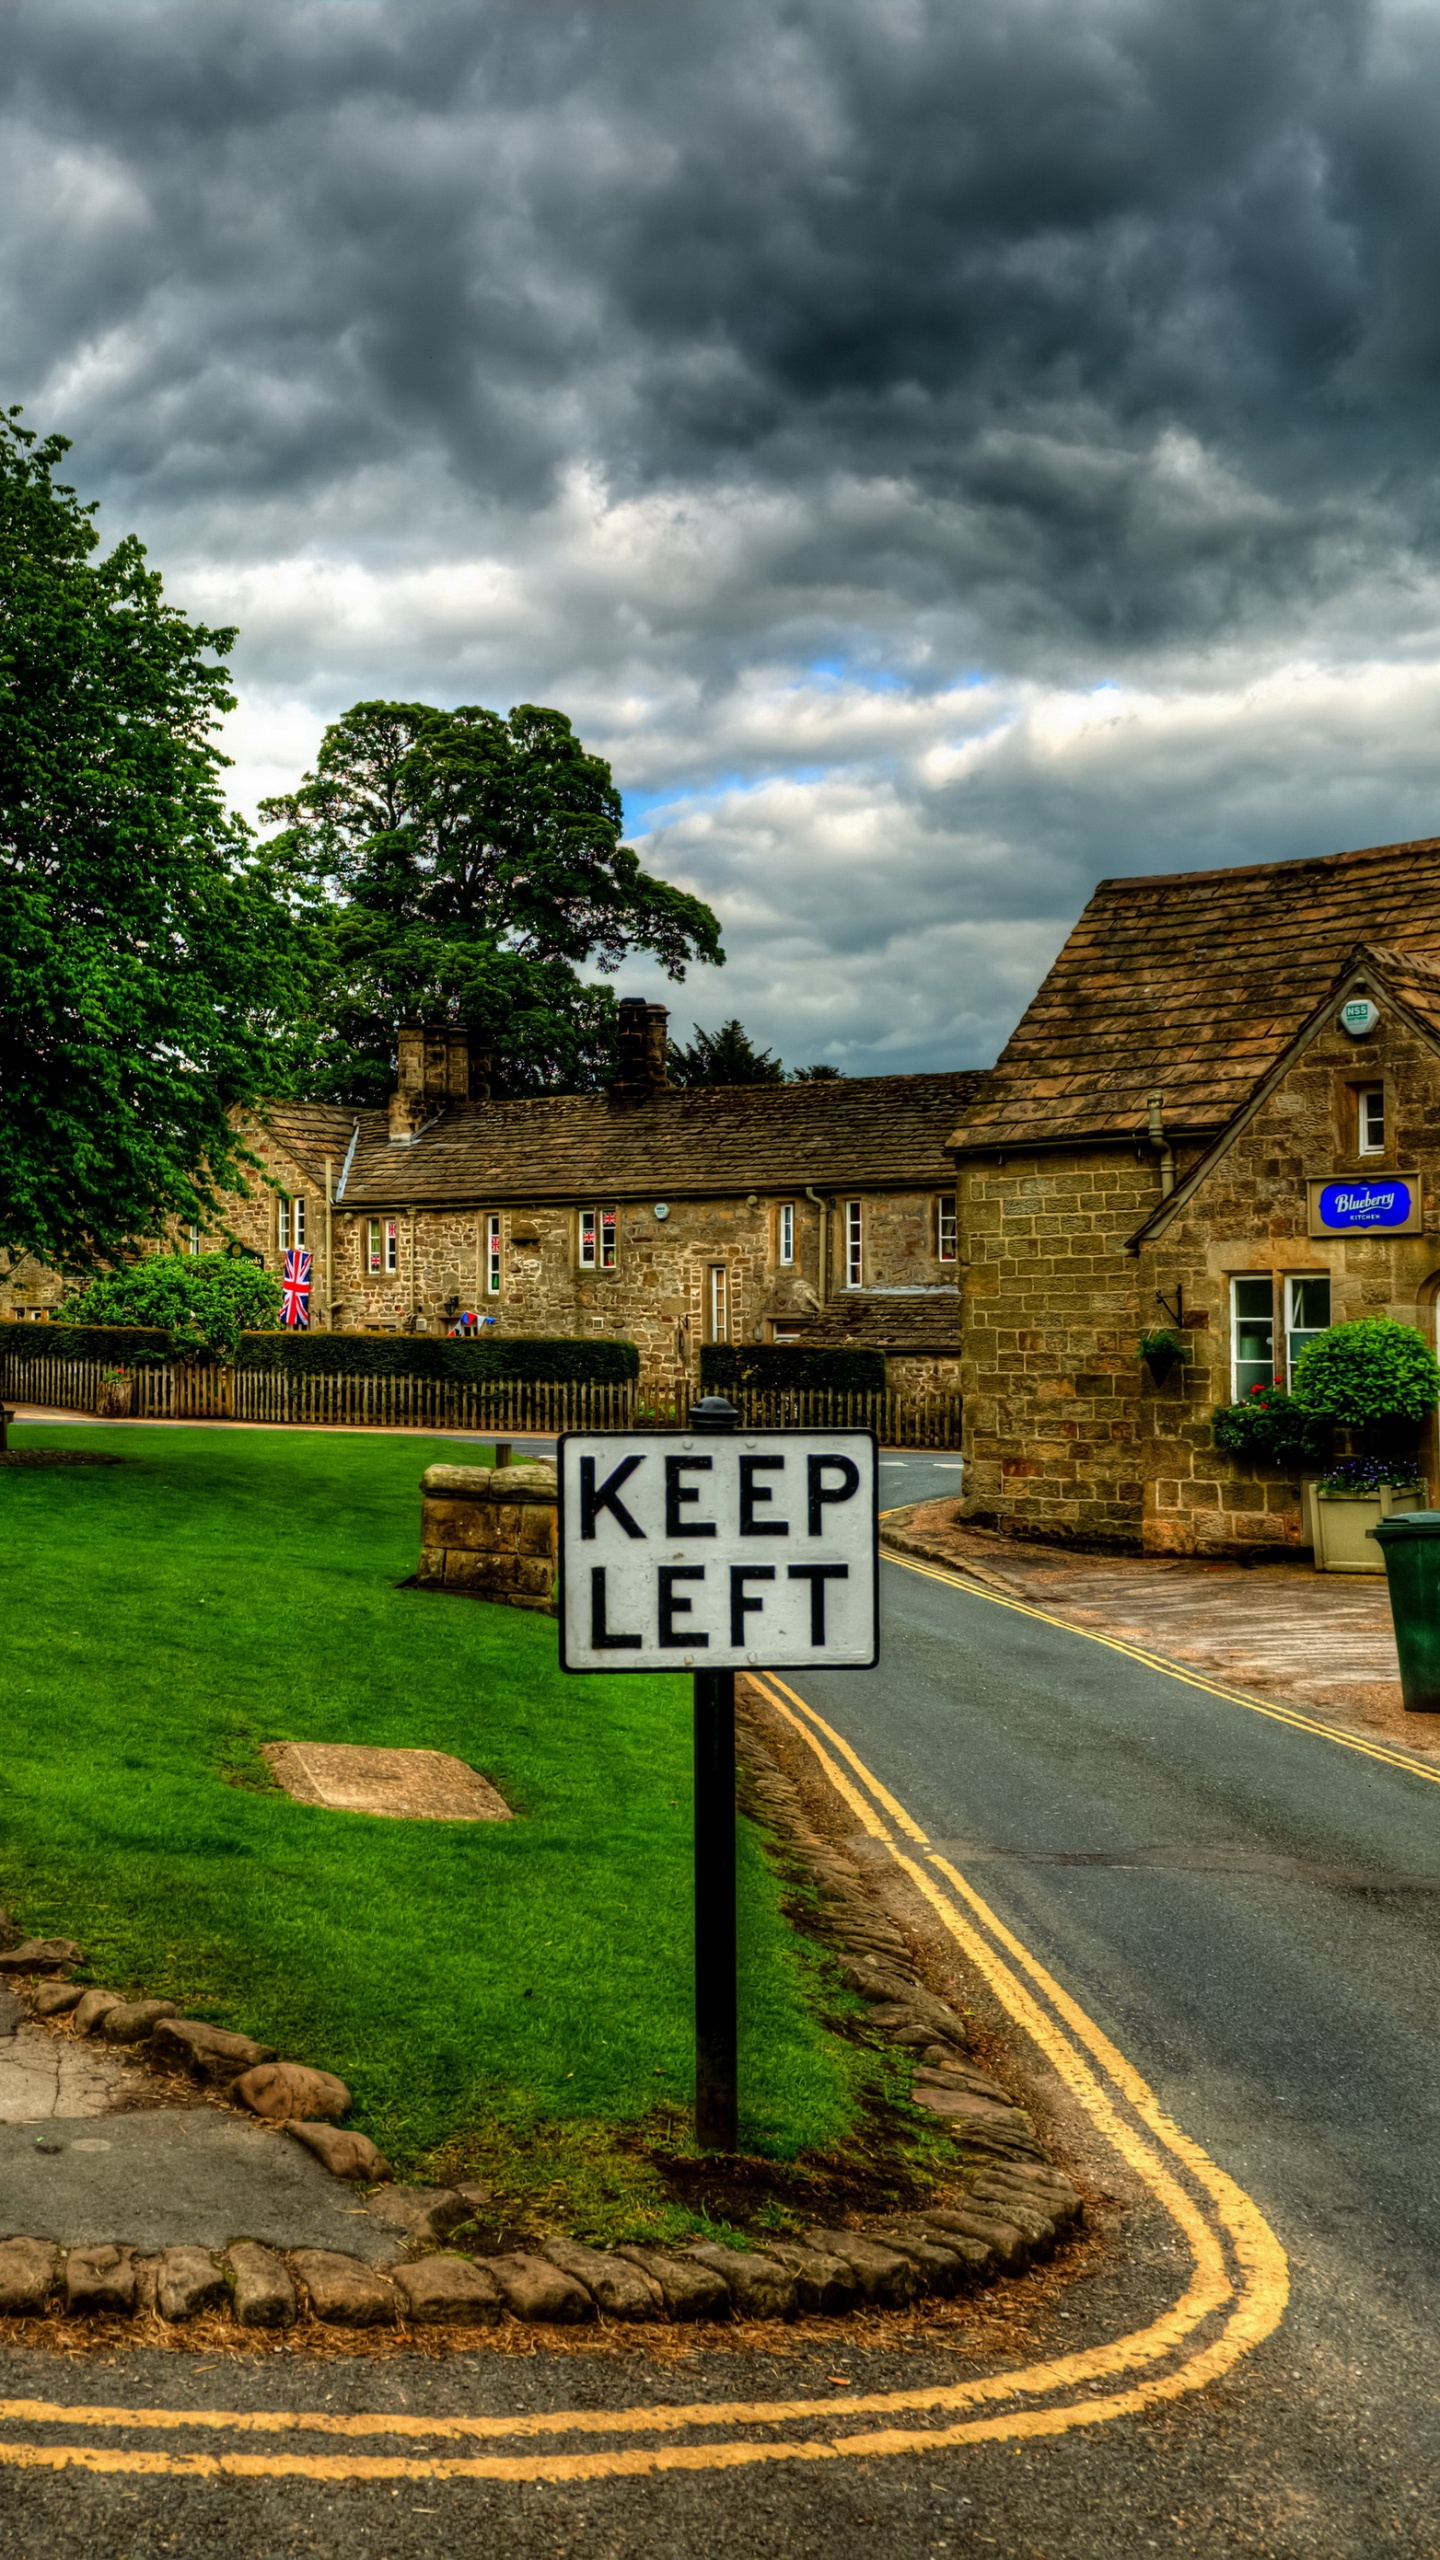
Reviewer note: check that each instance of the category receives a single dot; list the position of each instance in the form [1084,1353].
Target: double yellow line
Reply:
[1234,2297]
[1290,1716]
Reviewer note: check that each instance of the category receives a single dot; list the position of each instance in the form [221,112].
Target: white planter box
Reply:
[1342,1522]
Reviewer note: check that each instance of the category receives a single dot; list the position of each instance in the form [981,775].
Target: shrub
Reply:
[118,1346]
[606,1362]
[1369,1375]
[1162,1346]
[1268,1428]
[201,1301]
[1367,1475]
[725,1366]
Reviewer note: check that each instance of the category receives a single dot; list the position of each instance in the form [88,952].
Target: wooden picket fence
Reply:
[193,1391]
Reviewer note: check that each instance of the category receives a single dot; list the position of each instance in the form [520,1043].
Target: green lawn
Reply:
[510,1993]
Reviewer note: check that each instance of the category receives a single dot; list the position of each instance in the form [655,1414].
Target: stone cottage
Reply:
[1220,1117]
[671,1217]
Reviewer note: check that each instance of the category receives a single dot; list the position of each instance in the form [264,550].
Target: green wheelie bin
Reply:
[1410,1543]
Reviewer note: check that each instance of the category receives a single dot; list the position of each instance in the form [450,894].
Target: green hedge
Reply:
[118,1345]
[430,1355]
[725,1366]
[349,1355]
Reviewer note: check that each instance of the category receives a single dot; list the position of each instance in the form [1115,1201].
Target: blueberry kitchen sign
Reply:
[1372,1204]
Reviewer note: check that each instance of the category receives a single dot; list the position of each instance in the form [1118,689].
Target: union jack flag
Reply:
[295,1291]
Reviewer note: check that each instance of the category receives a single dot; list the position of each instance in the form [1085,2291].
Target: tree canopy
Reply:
[147,972]
[726,1056]
[463,866]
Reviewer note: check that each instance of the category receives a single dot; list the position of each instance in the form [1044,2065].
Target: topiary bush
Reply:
[200,1301]
[815,1367]
[1374,1377]
[1269,1429]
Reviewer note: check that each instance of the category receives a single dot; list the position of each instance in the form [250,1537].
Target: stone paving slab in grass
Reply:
[160,2176]
[409,1785]
[1317,1640]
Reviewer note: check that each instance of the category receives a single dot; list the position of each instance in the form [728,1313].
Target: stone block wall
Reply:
[1052,1311]
[491,1532]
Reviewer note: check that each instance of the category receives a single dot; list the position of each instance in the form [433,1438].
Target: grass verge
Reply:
[514,1997]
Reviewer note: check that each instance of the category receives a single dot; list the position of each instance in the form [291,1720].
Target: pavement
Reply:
[156,2178]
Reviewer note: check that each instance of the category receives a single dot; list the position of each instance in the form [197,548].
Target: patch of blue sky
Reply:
[644,809]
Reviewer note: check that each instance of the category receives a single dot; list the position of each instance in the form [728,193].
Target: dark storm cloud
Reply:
[1051,340]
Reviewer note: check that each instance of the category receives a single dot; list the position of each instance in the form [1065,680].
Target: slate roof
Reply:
[865,1132]
[922,1322]
[1191,984]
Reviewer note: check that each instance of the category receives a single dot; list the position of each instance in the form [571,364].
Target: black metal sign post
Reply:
[717,2077]
[636,1595]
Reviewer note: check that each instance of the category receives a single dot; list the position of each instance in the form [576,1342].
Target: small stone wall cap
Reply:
[534,1482]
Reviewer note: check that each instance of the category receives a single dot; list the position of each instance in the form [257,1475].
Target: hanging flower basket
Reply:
[1161,1353]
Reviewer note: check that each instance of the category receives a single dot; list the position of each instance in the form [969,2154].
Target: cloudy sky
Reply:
[942,451]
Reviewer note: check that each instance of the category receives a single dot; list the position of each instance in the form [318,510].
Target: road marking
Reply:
[1235,2296]
[1381,1751]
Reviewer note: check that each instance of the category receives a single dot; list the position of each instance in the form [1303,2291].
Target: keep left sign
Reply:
[718,1551]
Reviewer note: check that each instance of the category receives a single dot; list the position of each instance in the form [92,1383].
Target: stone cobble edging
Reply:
[1004,2206]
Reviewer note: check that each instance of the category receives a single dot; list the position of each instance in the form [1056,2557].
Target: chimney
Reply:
[434,1069]
[644,1030]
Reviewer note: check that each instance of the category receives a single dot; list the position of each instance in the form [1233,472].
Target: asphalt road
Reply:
[1251,1913]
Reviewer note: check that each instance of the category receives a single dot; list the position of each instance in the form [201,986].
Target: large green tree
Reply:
[147,971]
[462,866]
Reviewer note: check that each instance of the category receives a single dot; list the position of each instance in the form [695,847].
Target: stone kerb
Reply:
[491,1532]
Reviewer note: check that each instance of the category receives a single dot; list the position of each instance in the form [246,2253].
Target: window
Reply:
[1371,1115]
[787,1231]
[289,1223]
[947,1248]
[1307,1312]
[718,1308]
[297,1222]
[1253,1334]
[598,1231]
[382,1250]
[854,1246]
[492,1257]
[194,1240]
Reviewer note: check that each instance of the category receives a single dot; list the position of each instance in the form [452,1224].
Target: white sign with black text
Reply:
[718,1551]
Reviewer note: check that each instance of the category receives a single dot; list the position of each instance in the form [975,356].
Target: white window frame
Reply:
[785,1232]
[947,1228]
[717,1302]
[1370,1125]
[282,1225]
[1240,1389]
[598,1239]
[854,1244]
[492,1256]
[382,1248]
[194,1240]
[1301,1334]
[297,1221]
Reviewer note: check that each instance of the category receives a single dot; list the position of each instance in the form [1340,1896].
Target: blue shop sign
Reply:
[1389,1203]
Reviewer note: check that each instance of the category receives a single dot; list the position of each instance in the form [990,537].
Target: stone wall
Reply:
[1052,1310]
[491,1533]
[1249,1217]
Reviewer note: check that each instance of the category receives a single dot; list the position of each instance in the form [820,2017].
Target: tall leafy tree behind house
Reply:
[147,973]
[462,866]
[726,1056]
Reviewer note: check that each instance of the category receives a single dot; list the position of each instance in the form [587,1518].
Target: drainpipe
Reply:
[823,1206]
[329,1241]
[1161,1144]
